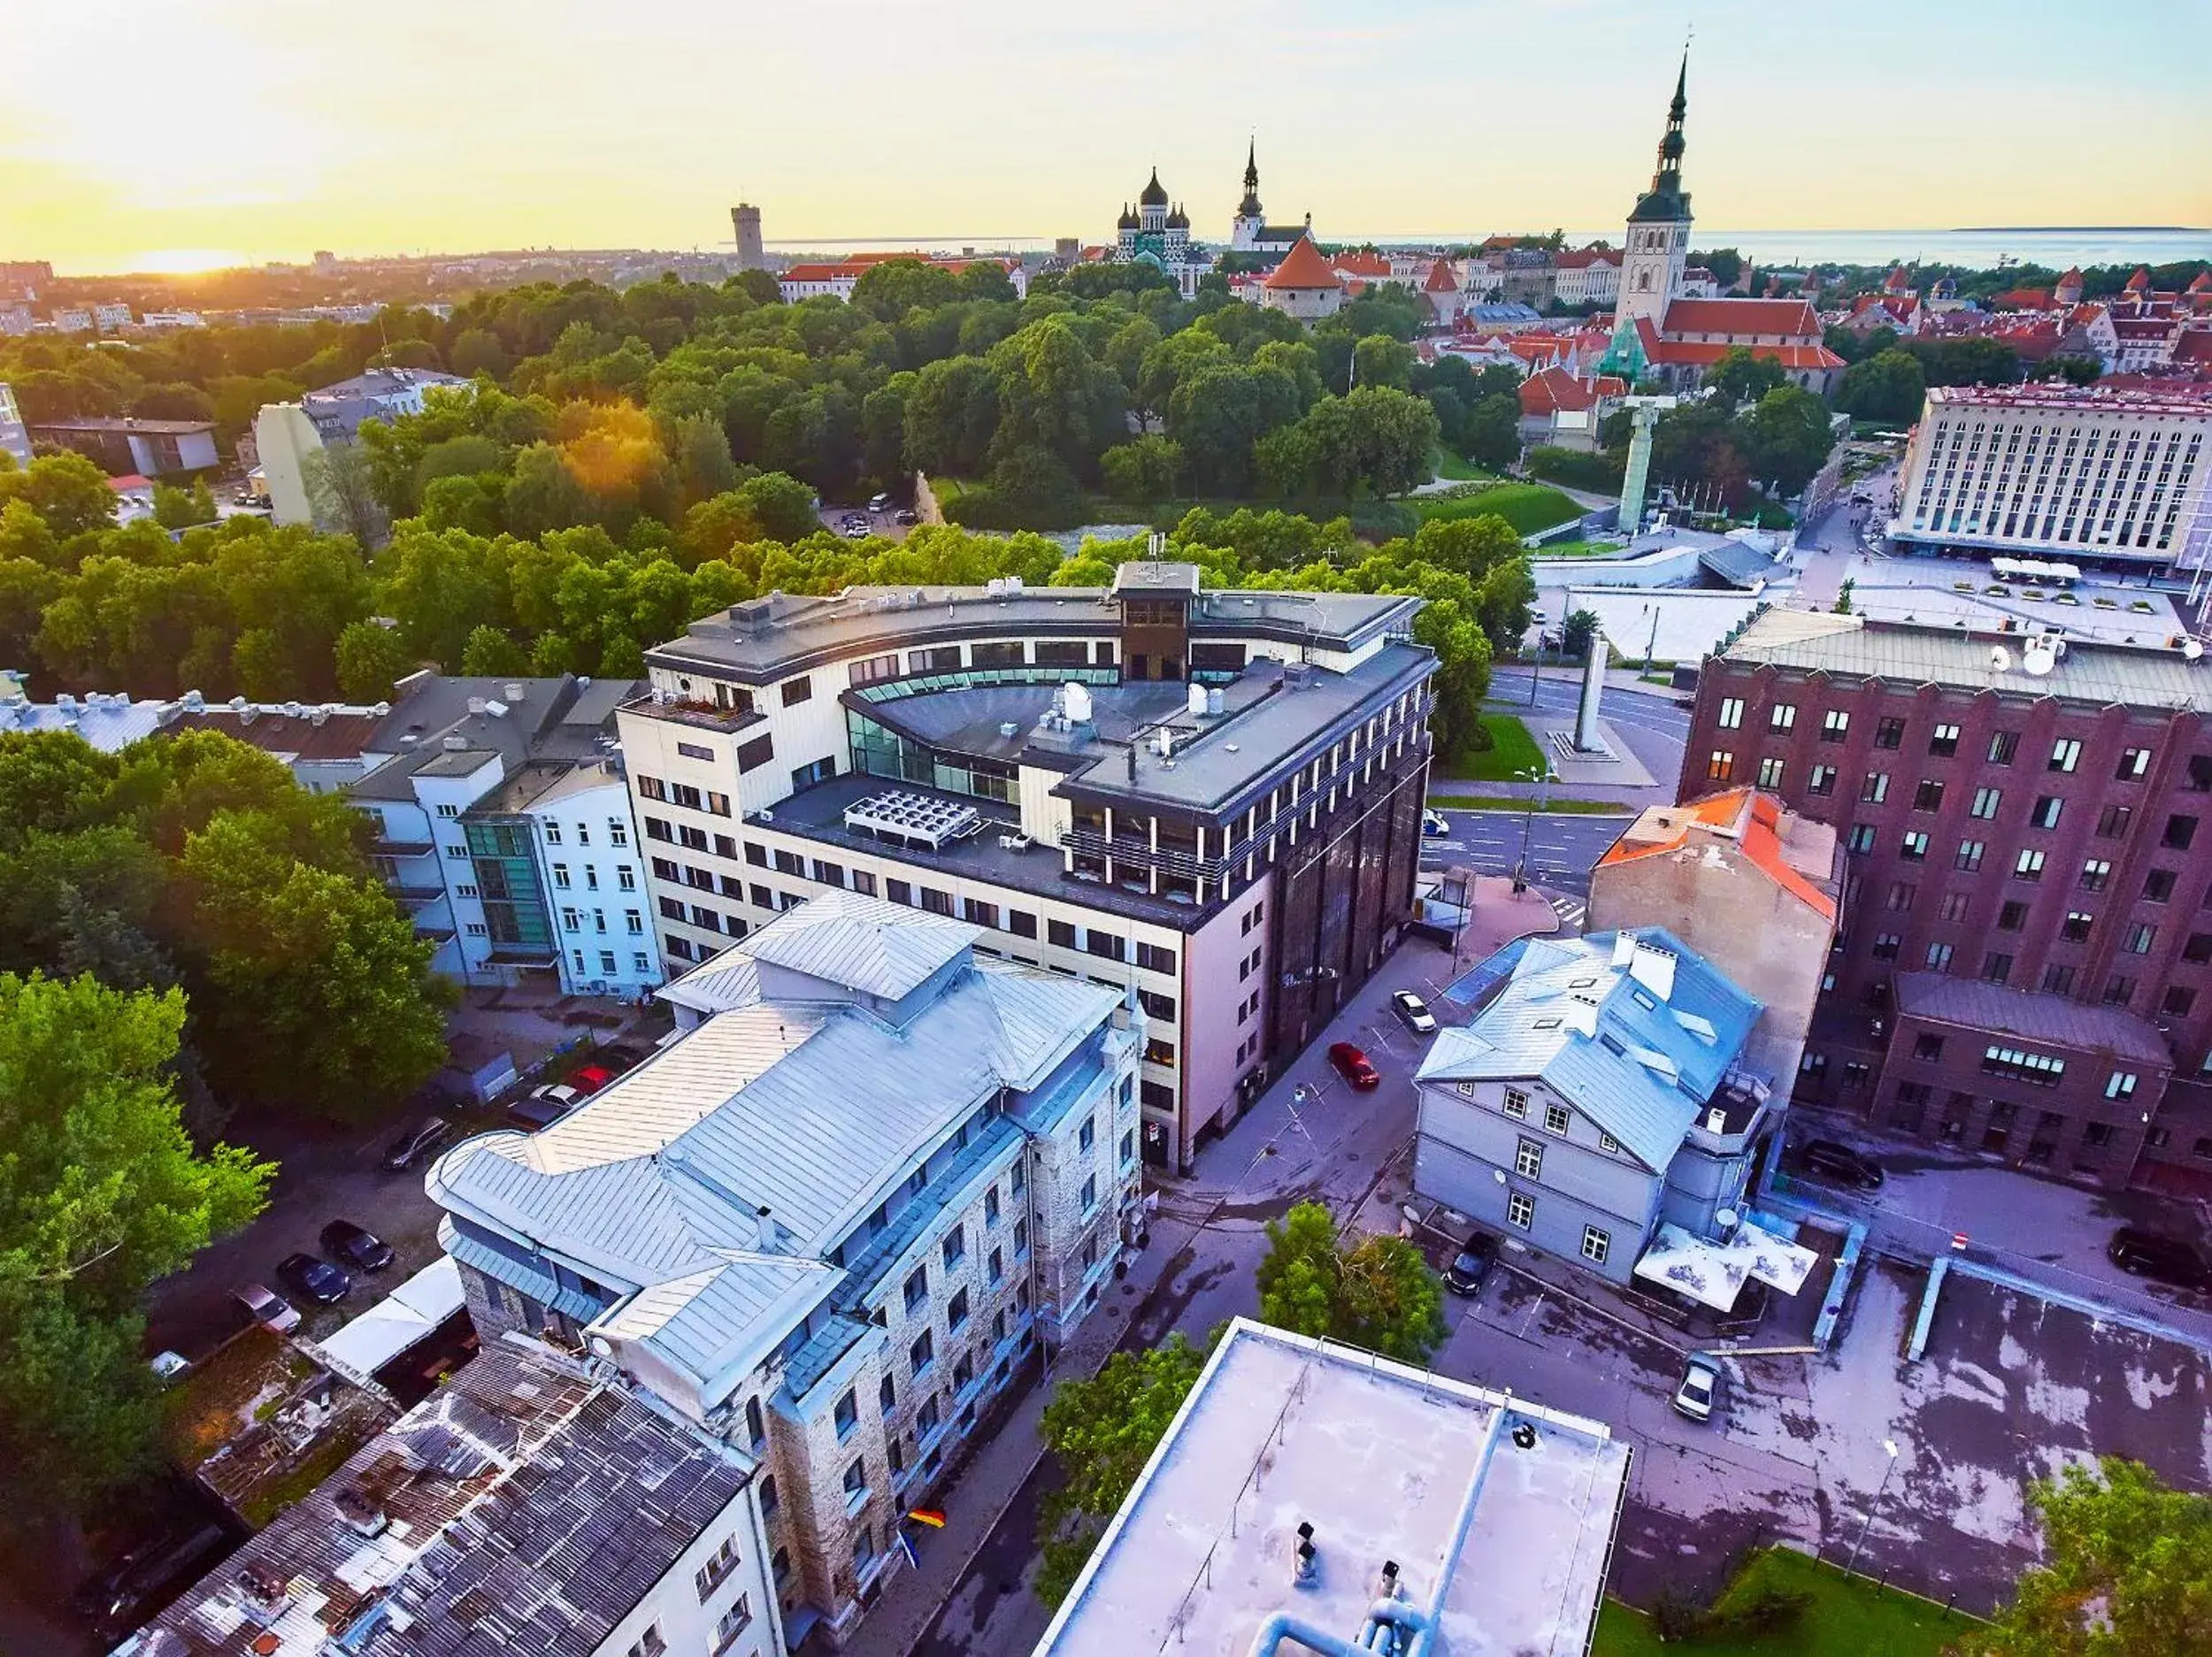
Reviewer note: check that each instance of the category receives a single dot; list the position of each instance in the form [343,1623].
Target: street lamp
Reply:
[1543,777]
[1890,1446]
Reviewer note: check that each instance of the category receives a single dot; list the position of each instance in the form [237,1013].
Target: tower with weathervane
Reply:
[1658,243]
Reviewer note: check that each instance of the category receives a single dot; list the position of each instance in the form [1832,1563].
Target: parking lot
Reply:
[859,521]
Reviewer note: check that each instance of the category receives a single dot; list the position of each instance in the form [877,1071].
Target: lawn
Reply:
[1528,507]
[1511,750]
[1456,466]
[1849,1617]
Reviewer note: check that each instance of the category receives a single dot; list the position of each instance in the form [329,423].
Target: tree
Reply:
[1786,437]
[68,491]
[2127,1568]
[1888,386]
[492,653]
[1492,432]
[102,1194]
[342,492]
[1379,360]
[370,660]
[1377,1294]
[1145,469]
[183,508]
[1101,1432]
[1576,632]
[478,351]
[1741,377]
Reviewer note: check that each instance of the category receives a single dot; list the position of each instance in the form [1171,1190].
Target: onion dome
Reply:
[1128,220]
[1178,219]
[1154,195]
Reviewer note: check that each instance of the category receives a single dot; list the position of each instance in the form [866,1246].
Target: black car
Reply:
[145,1580]
[2148,1255]
[313,1279]
[349,1244]
[418,1142]
[617,1056]
[1471,1264]
[1831,1159]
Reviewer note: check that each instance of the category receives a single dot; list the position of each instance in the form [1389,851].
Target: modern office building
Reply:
[1210,798]
[2119,480]
[1599,1107]
[288,435]
[130,447]
[527,1505]
[1312,1498]
[15,437]
[829,1220]
[2025,964]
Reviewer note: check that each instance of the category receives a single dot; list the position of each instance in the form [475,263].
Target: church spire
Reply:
[1665,201]
[1252,164]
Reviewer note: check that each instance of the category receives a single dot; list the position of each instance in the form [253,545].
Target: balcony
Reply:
[706,716]
[382,847]
[414,889]
[1137,853]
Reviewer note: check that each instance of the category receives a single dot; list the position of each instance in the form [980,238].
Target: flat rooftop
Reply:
[819,814]
[1508,1536]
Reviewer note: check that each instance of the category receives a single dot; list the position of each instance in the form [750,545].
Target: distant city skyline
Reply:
[248,131]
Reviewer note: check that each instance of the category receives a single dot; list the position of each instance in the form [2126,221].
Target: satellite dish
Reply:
[1727,1219]
[2001,660]
[2193,650]
[2038,658]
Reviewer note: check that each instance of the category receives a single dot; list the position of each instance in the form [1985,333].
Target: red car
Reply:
[591,1078]
[1352,1065]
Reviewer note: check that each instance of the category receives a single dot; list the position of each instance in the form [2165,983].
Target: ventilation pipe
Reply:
[1393,1629]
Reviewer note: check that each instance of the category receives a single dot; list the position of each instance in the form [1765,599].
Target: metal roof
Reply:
[1632,1027]
[2094,673]
[2047,1020]
[530,1509]
[881,949]
[709,1188]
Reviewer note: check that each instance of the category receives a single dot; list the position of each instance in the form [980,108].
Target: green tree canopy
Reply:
[1374,1292]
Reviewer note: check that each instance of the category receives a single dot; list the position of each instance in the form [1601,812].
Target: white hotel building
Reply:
[1212,799]
[2105,479]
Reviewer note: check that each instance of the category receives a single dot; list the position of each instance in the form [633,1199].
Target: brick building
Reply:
[2025,962]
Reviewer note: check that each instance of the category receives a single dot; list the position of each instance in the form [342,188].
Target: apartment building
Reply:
[829,1220]
[1309,1496]
[502,825]
[2109,478]
[2024,967]
[1211,799]
[287,436]
[528,1505]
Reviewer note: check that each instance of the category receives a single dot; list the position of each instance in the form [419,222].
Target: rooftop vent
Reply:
[1305,1560]
[359,1510]
[497,709]
[454,744]
[476,704]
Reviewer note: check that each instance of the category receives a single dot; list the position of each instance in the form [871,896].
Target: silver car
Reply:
[1699,1395]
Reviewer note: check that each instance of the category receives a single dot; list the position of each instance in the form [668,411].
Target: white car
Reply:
[1700,1394]
[1413,1012]
[267,1308]
[1435,824]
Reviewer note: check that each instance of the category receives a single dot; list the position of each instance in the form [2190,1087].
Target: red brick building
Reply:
[2025,962]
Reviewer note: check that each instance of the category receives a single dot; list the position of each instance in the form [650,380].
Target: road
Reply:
[1560,849]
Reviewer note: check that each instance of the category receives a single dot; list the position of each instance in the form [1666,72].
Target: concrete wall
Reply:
[285,437]
[1229,1041]
[1691,621]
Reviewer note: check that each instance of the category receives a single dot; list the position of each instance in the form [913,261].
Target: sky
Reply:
[173,133]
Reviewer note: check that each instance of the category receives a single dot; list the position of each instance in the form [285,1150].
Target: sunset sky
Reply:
[162,135]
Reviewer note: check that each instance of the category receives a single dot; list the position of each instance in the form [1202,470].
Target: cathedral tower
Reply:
[1251,218]
[1659,228]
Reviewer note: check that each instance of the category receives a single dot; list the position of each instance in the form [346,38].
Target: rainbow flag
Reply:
[929,1516]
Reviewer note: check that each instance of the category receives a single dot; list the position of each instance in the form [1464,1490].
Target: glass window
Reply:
[1556,1118]
[1515,1103]
[2065,754]
[1520,1209]
[1528,1160]
[1595,1245]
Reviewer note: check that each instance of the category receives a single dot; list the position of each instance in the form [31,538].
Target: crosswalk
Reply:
[1571,910]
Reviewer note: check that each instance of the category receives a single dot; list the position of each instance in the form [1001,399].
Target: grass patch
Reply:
[1849,1617]
[1511,750]
[1450,463]
[1528,507]
[1556,808]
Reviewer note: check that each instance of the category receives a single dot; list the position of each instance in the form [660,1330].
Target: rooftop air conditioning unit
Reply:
[476,704]
[455,743]
[514,689]
[497,709]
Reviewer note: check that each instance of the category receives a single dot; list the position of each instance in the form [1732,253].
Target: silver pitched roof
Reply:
[881,949]
[2046,1020]
[708,1188]
[1632,1027]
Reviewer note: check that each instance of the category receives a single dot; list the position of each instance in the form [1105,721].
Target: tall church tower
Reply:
[1659,228]
[1244,229]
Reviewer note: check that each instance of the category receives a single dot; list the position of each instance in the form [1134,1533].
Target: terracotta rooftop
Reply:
[1303,267]
[1761,830]
[1743,316]
[1441,279]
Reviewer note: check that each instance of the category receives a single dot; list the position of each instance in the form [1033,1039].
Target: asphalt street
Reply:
[1559,850]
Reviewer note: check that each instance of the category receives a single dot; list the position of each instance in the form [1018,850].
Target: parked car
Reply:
[419,1142]
[906,517]
[1471,1264]
[1435,823]
[316,1280]
[349,1245]
[1353,1066]
[1831,1159]
[267,1308]
[1699,1395]
[618,1058]
[545,1107]
[591,1078]
[145,1580]
[1413,1012]
[2148,1255]
[168,1366]
[878,503]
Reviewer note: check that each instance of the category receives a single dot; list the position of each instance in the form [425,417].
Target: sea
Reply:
[2055,247]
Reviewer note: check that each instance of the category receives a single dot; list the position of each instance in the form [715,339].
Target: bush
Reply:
[1599,473]
[1756,1607]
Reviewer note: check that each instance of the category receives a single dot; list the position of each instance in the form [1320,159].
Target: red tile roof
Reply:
[1303,267]
[1745,316]
[1367,265]
[1441,279]
[1555,389]
[1582,258]
[1752,819]
[2194,346]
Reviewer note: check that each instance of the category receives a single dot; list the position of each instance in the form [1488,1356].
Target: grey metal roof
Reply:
[2094,673]
[530,1509]
[1580,1014]
[1736,563]
[708,1186]
[864,943]
[551,721]
[2046,1020]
